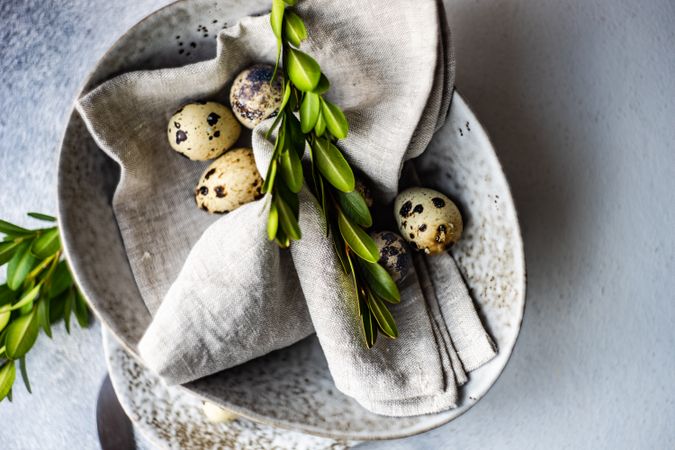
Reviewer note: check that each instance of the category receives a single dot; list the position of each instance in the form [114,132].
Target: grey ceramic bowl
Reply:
[291,388]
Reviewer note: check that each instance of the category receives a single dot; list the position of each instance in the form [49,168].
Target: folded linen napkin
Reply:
[220,293]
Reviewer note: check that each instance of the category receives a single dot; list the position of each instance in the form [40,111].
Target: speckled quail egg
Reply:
[427,219]
[203,130]
[363,189]
[229,182]
[394,255]
[216,414]
[253,97]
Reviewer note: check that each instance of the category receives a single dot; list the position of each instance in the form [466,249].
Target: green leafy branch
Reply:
[38,292]
[321,125]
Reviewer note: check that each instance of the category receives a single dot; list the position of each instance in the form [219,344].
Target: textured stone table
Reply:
[578,96]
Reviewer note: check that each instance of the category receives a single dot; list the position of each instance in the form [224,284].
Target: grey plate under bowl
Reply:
[290,388]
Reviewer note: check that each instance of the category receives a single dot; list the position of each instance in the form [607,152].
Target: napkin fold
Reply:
[220,293]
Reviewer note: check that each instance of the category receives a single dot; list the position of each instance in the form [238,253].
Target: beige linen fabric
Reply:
[220,293]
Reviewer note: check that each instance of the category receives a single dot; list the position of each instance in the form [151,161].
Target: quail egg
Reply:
[229,182]
[427,219]
[253,97]
[394,255]
[363,189]
[216,414]
[203,130]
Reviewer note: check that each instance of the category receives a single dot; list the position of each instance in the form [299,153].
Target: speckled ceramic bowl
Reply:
[290,388]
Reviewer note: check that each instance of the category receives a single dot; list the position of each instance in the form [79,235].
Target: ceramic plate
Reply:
[290,388]
[170,417]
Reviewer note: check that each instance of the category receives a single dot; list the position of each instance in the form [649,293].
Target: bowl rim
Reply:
[260,418]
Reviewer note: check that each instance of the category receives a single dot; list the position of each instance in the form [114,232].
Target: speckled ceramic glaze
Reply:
[171,418]
[290,388]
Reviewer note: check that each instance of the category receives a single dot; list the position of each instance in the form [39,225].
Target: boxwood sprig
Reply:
[318,127]
[38,292]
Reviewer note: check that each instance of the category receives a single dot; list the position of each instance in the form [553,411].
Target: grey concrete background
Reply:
[579,99]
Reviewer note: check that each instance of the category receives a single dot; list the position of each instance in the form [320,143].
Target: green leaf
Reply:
[43,316]
[280,142]
[7,250]
[277,17]
[40,216]
[320,126]
[333,166]
[287,220]
[295,30]
[296,136]
[25,309]
[276,21]
[323,85]
[272,222]
[368,323]
[303,70]
[380,282]
[355,207]
[335,119]
[3,333]
[353,274]
[276,121]
[309,111]
[358,240]
[21,335]
[291,2]
[7,376]
[19,266]
[13,230]
[24,373]
[339,246]
[271,175]
[287,95]
[68,308]
[289,197]
[46,244]
[6,295]
[57,307]
[27,299]
[4,319]
[291,171]
[61,279]
[281,239]
[383,317]
[373,325]
[81,310]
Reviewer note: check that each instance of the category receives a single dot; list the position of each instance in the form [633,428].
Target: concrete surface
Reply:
[579,99]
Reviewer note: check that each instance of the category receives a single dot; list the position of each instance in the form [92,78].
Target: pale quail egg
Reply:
[216,414]
[394,256]
[427,219]
[203,130]
[229,182]
[253,97]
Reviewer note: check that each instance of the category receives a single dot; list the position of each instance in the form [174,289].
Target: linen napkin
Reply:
[220,293]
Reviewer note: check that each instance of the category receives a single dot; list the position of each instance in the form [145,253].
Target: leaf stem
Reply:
[43,265]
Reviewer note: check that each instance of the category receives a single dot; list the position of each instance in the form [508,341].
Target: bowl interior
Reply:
[291,388]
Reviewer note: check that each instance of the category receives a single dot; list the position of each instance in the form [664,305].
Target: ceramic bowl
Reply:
[290,388]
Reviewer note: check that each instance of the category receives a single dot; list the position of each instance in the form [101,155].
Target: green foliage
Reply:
[303,70]
[322,124]
[39,291]
[355,207]
[357,239]
[294,29]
